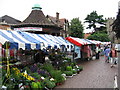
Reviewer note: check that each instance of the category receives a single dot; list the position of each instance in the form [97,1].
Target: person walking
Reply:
[98,50]
[113,55]
[106,54]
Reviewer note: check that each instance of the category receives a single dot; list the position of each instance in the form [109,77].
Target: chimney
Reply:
[57,17]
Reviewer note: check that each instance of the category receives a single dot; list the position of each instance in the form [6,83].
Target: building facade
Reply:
[37,23]
[111,33]
[62,23]
[6,22]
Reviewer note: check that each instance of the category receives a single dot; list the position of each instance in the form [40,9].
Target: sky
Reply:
[69,9]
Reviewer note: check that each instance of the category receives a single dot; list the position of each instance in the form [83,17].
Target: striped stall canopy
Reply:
[18,40]
[78,41]
[27,40]
[59,40]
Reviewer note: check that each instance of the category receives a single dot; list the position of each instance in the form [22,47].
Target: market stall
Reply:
[27,43]
[36,75]
[82,47]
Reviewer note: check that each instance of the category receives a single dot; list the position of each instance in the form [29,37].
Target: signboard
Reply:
[77,51]
[28,29]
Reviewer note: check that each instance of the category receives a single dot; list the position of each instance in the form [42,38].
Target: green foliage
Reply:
[57,59]
[15,74]
[99,37]
[49,84]
[56,74]
[73,64]
[80,68]
[67,60]
[93,19]
[27,69]
[74,71]
[76,28]
[36,75]
[69,68]
[68,73]
[48,67]
[36,85]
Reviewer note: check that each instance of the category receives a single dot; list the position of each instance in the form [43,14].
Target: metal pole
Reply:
[73,52]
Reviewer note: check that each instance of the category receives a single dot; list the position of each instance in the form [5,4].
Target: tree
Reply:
[95,21]
[76,28]
[99,37]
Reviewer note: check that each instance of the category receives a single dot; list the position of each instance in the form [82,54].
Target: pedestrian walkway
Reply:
[96,74]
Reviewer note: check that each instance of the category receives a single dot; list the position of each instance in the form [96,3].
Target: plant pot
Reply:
[74,74]
[57,84]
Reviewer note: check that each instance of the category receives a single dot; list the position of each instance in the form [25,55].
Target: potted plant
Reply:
[49,84]
[69,68]
[68,73]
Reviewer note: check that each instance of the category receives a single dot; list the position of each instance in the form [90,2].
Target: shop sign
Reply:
[28,29]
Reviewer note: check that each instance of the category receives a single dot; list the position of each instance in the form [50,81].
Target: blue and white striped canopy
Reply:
[27,40]
[18,40]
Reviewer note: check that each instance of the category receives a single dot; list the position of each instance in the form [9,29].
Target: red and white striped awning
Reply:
[77,41]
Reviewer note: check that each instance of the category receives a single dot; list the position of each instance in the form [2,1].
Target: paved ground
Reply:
[96,74]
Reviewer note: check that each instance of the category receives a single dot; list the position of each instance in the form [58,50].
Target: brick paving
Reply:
[96,74]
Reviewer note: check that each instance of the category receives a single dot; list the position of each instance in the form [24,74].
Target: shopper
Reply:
[113,55]
[98,50]
[106,54]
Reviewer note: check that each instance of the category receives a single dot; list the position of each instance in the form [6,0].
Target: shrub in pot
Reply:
[81,68]
[68,73]
[36,75]
[49,84]
[69,68]
[74,71]
[57,75]
[48,67]
[36,85]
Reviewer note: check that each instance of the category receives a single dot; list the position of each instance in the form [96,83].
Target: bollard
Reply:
[115,82]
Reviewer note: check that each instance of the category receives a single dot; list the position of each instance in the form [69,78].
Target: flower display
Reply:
[17,71]
[42,78]
[52,79]
[28,77]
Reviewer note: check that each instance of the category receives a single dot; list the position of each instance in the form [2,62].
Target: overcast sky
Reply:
[69,9]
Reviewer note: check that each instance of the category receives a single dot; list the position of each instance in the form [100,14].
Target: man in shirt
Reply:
[107,53]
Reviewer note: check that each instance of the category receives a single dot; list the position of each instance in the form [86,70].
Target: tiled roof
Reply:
[9,20]
[60,23]
[37,17]
[52,19]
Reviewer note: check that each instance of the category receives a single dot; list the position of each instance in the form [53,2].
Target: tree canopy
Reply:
[76,28]
[95,21]
[99,37]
